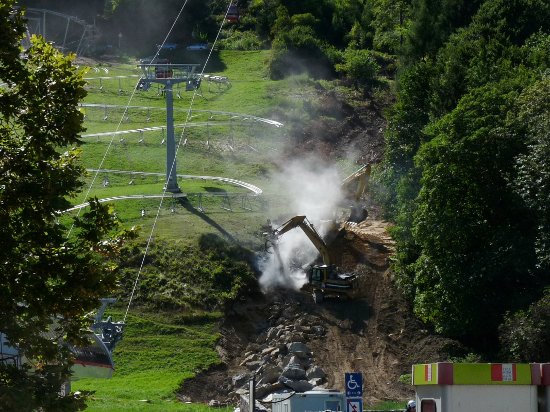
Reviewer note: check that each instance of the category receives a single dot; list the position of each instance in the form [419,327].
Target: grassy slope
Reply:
[152,360]
[248,95]
[154,357]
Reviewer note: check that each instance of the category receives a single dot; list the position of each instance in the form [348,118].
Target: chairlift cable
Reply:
[109,146]
[123,116]
[187,118]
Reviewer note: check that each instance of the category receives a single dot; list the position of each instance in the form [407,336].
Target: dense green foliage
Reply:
[50,279]
[358,65]
[524,335]
[466,164]
[208,276]
[305,36]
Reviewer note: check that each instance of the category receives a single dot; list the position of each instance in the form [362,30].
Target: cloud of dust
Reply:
[311,187]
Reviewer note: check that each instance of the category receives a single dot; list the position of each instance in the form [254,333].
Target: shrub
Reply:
[525,335]
[298,51]
[359,66]
[241,40]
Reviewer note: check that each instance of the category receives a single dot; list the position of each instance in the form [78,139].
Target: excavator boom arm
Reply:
[356,183]
[310,232]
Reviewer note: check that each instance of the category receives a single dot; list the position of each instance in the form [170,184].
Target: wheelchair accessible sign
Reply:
[354,384]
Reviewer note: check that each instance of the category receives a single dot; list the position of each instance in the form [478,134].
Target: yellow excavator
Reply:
[323,280]
[354,186]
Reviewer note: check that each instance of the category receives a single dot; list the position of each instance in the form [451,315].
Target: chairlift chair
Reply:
[233,14]
[93,360]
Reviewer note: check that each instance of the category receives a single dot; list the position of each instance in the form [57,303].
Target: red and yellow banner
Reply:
[446,373]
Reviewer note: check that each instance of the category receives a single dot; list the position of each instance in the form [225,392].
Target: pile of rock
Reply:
[281,361]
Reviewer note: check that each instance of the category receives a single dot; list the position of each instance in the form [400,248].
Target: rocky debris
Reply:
[279,359]
[316,372]
[217,404]
[294,371]
[297,385]
[375,333]
[239,380]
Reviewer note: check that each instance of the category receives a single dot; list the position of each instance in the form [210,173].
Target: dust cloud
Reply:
[309,187]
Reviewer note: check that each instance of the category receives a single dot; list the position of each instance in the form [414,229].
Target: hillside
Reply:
[375,334]
[287,114]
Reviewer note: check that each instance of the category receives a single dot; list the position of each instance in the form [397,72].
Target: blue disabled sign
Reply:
[354,384]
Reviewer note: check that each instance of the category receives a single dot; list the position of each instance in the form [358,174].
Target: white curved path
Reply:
[256,191]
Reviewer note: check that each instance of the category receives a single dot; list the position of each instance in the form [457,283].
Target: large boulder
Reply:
[296,385]
[269,374]
[262,391]
[305,362]
[317,382]
[315,372]
[240,380]
[299,349]
[252,357]
[294,371]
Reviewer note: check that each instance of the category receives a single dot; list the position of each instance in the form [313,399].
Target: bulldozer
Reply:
[323,280]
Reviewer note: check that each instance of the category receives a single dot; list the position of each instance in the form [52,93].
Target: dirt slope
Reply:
[374,334]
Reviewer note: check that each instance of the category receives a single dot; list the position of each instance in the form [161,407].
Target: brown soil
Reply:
[374,333]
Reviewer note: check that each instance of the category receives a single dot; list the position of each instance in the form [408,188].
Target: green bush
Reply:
[359,66]
[209,276]
[241,40]
[298,51]
[525,335]
[406,379]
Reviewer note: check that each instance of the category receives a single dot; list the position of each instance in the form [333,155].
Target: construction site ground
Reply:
[374,333]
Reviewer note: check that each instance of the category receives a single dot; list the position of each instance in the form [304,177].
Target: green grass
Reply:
[387,406]
[241,150]
[245,70]
[151,362]
[156,355]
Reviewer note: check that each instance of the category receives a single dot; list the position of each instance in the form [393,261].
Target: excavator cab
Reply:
[326,281]
[321,273]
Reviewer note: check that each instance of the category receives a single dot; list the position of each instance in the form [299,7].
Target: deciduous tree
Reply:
[49,280]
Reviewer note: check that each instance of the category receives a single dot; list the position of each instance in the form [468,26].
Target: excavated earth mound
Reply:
[375,333]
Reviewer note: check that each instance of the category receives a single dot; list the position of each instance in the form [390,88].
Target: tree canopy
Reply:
[50,277]
[466,164]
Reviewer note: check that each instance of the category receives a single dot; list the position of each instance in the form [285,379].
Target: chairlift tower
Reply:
[168,75]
